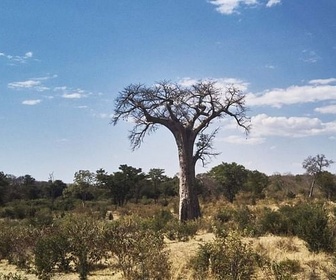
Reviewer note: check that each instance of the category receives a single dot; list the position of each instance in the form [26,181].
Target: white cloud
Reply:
[271,3]
[28,54]
[31,102]
[18,58]
[24,84]
[75,95]
[330,109]
[292,95]
[63,88]
[264,125]
[322,81]
[228,7]
[29,84]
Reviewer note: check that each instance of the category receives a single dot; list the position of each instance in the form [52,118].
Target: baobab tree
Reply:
[187,112]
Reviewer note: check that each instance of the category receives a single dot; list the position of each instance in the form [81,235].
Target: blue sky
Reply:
[62,63]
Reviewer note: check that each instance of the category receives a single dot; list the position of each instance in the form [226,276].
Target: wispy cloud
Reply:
[228,7]
[29,84]
[24,84]
[33,83]
[17,58]
[330,109]
[264,125]
[74,95]
[310,56]
[31,102]
[316,90]
[323,81]
[272,3]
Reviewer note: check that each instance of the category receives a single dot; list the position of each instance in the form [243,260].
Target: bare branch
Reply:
[178,108]
[204,147]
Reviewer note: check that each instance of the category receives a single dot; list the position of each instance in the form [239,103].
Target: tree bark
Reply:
[312,188]
[189,208]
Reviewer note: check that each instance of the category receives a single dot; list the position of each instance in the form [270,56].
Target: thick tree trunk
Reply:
[189,208]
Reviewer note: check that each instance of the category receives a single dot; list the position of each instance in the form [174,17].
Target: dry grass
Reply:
[314,266]
[277,249]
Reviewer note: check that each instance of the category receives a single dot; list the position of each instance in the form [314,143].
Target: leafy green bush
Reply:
[176,230]
[274,222]
[51,250]
[84,235]
[160,220]
[307,221]
[17,242]
[224,258]
[311,224]
[139,253]
[245,220]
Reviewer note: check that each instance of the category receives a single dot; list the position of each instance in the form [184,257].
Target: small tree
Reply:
[83,180]
[156,175]
[231,178]
[314,166]
[186,112]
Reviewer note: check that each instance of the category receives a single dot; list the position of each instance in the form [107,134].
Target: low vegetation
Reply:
[257,227]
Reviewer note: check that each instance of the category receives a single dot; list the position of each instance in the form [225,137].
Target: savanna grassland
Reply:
[273,232]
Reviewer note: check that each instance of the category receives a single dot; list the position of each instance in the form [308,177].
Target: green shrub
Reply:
[42,217]
[245,220]
[224,215]
[176,230]
[160,220]
[139,253]
[307,221]
[274,222]
[310,222]
[224,258]
[17,242]
[84,235]
[51,250]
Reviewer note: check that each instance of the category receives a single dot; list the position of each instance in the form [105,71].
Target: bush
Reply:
[176,230]
[274,222]
[311,224]
[224,258]
[138,252]
[84,235]
[52,250]
[307,221]
[245,220]
[17,242]
[160,220]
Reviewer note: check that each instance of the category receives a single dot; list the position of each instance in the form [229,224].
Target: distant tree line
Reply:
[131,184]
